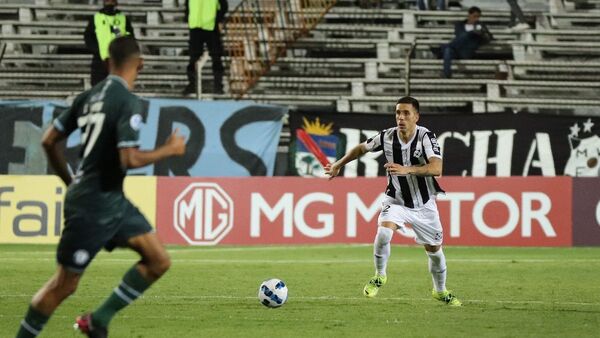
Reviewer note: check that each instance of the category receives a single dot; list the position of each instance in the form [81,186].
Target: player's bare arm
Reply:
[134,158]
[50,142]
[433,168]
[333,169]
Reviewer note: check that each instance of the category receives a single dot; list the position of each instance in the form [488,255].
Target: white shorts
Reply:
[425,221]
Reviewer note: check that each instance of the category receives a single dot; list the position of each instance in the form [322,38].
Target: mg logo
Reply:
[203,214]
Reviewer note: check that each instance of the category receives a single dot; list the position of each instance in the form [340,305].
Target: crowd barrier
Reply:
[514,211]
[228,138]
[223,138]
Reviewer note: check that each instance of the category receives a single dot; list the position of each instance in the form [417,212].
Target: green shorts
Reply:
[88,230]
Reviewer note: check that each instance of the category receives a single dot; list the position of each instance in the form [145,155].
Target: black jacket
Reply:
[89,36]
[470,41]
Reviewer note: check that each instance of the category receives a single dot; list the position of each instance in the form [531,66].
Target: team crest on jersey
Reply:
[135,121]
[435,145]
[585,151]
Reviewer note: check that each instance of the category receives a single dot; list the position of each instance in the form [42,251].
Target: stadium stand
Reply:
[356,59]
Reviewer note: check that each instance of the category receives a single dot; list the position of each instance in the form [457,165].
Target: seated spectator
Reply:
[469,35]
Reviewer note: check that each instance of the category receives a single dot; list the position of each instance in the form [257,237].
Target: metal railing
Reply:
[407,67]
[259,31]
[199,66]
[2,50]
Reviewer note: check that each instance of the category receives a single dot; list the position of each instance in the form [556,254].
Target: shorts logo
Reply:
[203,214]
[385,209]
[80,257]
[438,236]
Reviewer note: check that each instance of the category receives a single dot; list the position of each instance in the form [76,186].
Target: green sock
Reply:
[132,286]
[32,324]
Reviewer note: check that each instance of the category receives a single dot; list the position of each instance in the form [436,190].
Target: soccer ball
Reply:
[272,293]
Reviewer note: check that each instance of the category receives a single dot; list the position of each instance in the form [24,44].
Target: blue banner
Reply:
[224,138]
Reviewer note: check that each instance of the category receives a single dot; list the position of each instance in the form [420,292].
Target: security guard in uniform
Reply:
[102,28]
[203,18]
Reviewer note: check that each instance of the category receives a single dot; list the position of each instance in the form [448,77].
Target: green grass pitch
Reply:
[212,292]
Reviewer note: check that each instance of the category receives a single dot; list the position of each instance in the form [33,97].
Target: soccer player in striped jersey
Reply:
[413,160]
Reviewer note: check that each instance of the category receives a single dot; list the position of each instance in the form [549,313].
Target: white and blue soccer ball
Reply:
[273,293]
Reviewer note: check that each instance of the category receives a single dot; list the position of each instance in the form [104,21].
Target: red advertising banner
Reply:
[267,210]
[513,211]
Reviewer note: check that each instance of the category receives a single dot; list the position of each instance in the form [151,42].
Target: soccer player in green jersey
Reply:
[97,213]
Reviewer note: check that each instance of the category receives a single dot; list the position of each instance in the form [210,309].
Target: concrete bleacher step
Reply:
[137,13]
[376,68]
[587,5]
[434,85]
[333,39]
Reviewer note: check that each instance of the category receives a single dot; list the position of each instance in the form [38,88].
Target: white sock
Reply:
[381,249]
[437,267]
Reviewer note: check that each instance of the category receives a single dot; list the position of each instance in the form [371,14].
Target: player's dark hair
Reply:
[475,9]
[123,48]
[409,100]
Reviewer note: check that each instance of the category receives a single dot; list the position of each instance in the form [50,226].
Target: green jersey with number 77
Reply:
[109,117]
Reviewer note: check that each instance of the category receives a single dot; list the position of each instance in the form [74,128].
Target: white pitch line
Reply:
[209,249]
[260,316]
[308,247]
[332,298]
[210,261]
[267,248]
[107,259]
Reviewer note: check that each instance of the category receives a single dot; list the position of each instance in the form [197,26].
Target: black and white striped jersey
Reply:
[410,191]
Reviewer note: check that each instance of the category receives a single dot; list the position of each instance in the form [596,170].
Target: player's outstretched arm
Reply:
[333,169]
[134,158]
[433,168]
[52,137]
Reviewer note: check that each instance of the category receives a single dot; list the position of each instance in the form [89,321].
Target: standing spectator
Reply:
[204,19]
[469,34]
[516,12]
[424,5]
[106,25]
